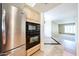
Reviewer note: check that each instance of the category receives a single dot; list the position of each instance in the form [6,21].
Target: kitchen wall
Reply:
[77,41]
[61,28]
[47,28]
[54,28]
[42,31]
[58,24]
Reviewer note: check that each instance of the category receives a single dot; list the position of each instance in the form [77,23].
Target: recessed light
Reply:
[31,4]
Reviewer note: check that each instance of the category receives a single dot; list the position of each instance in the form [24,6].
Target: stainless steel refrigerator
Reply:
[13,31]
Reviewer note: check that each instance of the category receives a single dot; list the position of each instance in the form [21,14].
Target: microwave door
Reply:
[32,27]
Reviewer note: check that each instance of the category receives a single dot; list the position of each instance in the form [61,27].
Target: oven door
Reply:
[32,40]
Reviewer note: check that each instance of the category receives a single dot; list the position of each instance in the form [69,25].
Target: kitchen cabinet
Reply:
[32,50]
[27,11]
[35,16]
[32,15]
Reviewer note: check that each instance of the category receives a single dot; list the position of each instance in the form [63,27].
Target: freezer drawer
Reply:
[21,51]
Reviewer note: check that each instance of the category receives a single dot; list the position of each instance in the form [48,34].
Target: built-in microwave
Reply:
[32,26]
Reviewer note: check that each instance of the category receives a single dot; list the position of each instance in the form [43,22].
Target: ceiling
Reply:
[57,12]
[64,12]
[43,7]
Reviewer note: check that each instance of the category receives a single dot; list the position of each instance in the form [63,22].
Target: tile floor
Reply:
[67,48]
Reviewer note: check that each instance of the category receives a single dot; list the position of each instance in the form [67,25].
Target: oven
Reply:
[32,34]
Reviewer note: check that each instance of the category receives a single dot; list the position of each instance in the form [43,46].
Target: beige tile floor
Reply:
[55,50]
[66,49]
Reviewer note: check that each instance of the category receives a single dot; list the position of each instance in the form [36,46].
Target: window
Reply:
[69,28]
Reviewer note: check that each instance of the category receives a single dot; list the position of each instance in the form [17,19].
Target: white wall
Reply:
[47,28]
[78,33]
[65,21]
[42,32]
[54,28]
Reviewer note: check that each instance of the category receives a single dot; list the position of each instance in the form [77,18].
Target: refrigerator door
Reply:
[0,27]
[15,27]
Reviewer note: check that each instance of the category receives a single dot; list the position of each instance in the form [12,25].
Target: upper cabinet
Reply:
[32,15]
[35,16]
[27,12]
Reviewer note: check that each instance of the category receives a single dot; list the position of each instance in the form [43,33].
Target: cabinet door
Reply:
[35,16]
[32,15]
[28,13]
[33,50]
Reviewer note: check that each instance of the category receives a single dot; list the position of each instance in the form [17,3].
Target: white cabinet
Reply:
[35,16]
[27,11]
[32,15]
[33,50]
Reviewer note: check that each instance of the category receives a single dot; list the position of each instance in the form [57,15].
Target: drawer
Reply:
[33,50]
[21,51]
